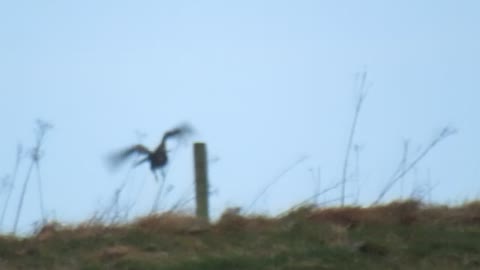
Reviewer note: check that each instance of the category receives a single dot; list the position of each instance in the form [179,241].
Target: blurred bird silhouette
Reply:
[158,158]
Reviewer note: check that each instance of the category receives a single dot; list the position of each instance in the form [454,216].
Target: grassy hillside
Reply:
[401,235]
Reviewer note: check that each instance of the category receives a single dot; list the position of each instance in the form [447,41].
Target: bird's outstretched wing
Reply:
[118,158]
[180,132]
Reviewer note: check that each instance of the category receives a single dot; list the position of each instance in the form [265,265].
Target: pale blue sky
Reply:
[263,83]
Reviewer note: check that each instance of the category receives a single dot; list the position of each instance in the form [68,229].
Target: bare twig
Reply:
[186,199]
[36,155]
[5,183]
[316,195]
[40,191]
[357,149]
[317,178]
[42,128]
[181,203]
[20,204]
[112,211]
[275,180]
[358,106]
[399,174]
[403,163]
[18,160]
[156,202]
[423,191]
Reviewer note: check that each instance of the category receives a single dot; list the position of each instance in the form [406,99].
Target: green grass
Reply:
[397,236]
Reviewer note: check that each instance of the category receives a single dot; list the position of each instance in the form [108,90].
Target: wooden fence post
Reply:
[201,180]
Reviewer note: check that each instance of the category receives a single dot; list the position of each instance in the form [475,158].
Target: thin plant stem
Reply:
[22,196]
[18,160]
[446,132]
[158,196]
[275,180]
[351,135]
[40,191]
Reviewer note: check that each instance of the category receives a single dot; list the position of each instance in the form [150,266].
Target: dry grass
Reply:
[401,235]
[167,223]
[401,212]
[396,213]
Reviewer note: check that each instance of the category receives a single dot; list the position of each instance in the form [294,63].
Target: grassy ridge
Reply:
[400,235]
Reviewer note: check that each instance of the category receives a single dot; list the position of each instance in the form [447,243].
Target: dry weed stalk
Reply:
[35,156]
[362,88]
[404,169]
[18,161]
[275,180]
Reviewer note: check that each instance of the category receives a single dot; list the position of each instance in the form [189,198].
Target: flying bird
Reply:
[157,158]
